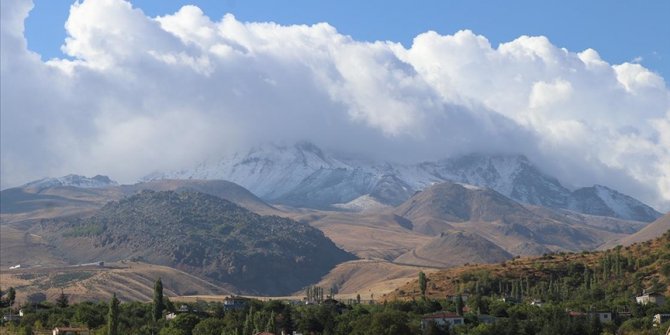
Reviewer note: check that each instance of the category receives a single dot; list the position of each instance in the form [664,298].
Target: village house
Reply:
[603,316]
[650,298]
[660,319]
[11,317]
[441,319]
[70,331]
[486,319]
[234,303]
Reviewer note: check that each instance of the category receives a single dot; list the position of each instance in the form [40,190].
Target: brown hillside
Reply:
[652,255]
[454,248]
[131,281]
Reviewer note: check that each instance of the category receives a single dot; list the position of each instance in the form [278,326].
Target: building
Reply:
[538,303]
[661,319]
[170,316]
[650,298]
[603,316]
[70,331]
[234,302]
[441,319]
[486,319]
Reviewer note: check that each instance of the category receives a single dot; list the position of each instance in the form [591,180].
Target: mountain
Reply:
[303,175]
[218,188]
[203,235]
[516,228]
[72,180]
[604,201]
[31,202]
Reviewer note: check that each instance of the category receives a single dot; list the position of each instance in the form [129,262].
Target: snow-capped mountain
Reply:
[72,180]
[604,201]
[304,175]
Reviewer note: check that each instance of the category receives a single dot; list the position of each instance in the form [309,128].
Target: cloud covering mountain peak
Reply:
[140,94]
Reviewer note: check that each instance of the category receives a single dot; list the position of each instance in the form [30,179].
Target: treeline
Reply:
[329,317]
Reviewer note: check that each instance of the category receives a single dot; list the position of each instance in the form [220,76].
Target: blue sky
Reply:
[619,30]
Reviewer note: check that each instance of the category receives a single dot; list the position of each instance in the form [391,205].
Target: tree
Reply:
[62,301]
[422,283]
[113,316]
[271,323]
[459,305]
[11,296]
[159,304]
[210,326]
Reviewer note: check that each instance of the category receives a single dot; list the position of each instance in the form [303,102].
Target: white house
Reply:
[441,319]
[650,298]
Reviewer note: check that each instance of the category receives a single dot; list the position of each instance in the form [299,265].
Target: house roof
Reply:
[442,315]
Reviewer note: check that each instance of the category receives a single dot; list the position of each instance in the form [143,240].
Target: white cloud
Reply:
[160,93]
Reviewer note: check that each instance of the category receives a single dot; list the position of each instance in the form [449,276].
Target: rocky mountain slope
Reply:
[509,225]
[203,235]
[303,175]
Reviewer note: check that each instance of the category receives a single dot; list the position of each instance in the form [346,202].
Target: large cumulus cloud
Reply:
[140,94]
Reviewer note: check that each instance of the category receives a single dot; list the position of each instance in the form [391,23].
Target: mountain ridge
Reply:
[303,175]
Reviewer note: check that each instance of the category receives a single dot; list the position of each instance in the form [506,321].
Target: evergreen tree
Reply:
[11,296]
[459,305]
[159,304]
[422,283]
[113,316]
[62,301]
[271,323]
[248,326]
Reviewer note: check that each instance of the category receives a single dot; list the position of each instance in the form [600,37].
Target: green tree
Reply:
[62,301]
[185,323]
[159,304]
[459,305]
[11,296]
[210,326]
[271,327]
[422,283]
[113,316]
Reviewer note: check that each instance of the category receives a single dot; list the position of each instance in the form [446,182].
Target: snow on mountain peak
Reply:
[304,175]
[72,180]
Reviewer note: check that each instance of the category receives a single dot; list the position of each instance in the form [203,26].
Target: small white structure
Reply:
[170,316]
[650,298]
[17,266]
[537,303]
[603,316]
[441,319]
